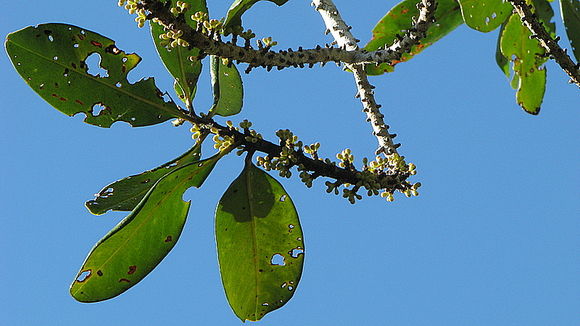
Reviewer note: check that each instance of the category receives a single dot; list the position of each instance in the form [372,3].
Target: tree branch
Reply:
[530,20]
[209,42]
[342,35]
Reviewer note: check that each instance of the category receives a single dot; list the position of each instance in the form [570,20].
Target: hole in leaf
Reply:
[294,253]
[265,304]
[93,63]
[290,288]
[278,260]
[76,45]
[83,276]
[284,285]
[283,198]
[55,58]
[98,109]
[118,84]
[290,226]
[50,38]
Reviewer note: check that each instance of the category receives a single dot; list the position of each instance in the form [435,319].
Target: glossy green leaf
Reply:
[228,92]
[51,59]
[485,15]
[570,10]
[398,19]
[233,19]
[139,242]
[527,60]
[178,60]
[260,244]
[125,194]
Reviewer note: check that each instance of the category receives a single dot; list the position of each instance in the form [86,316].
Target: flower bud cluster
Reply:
[287,158]
[133,7]
[180,7]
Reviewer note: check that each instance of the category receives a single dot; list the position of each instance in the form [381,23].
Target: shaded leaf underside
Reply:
[178,60]
[260,244]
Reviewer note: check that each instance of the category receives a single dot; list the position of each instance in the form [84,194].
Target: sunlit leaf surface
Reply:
[485,15]
[398,19]
[125,194]
[139,242]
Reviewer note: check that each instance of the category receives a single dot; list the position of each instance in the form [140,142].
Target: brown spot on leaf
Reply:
[132,269]
[79,102]
[100,273]
[95,43]
[124,280]
[81,37]
[169,238]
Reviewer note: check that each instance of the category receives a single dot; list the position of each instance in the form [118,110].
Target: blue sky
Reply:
[492,240]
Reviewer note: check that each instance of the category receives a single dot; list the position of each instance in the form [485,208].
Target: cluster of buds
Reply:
[346,159]
[265,43]
[312,149]
[287,157]
[133,8]
[171,39]
[180,7]
[221,142]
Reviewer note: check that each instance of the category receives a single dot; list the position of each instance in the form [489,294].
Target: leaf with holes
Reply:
[528,58]
[485,15]
[228,92]
[182,64]
[398,19]
[52,60]
[139,242]
[233,20]
[260,244]
[125,194]
[570,11]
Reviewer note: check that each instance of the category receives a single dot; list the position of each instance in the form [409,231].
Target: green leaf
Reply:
[398,19]
[527,58]
[125,194]
[570,10]
[228,92]
[485,15]
[260,244]
[139,242]
[51,59]
[177,60]
[233,19]
[502,62]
